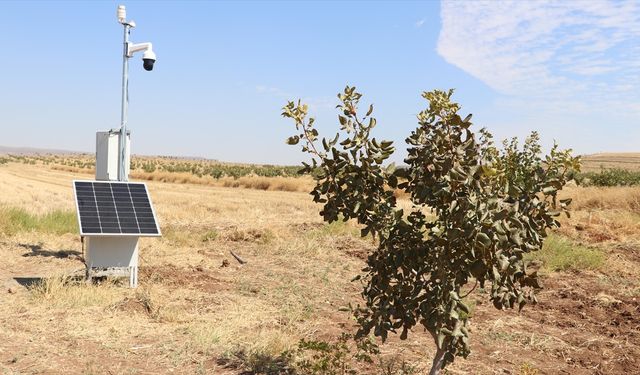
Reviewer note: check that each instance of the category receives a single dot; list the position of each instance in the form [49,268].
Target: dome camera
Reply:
[148,59]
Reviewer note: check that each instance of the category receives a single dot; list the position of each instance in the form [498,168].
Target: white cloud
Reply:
[273,91]
[314,103]
[572,54]
[420,23]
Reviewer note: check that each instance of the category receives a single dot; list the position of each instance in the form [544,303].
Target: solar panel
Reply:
[107,208]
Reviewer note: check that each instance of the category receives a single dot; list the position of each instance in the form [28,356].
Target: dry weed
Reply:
[64,291]
[605,198]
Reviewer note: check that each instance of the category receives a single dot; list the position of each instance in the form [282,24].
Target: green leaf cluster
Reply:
[476,210]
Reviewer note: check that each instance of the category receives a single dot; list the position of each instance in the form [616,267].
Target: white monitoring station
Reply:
[112,212]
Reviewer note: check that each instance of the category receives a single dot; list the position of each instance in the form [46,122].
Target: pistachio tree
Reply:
[476,210]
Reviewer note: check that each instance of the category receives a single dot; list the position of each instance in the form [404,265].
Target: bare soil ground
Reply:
[197,310]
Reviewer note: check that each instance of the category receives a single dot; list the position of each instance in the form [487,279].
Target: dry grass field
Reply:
[260,177]
[179,170]
[597,162]
[198,311]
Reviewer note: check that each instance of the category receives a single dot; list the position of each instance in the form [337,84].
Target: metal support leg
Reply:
[88,275]
[133,277]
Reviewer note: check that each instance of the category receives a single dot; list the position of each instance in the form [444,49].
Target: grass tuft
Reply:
[527,369]
[560,254]
[16,220]
[68,292]
[337,228]
[210,235]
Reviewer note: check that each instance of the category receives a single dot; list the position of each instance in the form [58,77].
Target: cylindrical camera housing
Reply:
[122,14]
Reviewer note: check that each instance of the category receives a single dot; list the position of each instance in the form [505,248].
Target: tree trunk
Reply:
[438,362]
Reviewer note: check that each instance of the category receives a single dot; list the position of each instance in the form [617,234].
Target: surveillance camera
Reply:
[148,64]
[148,59]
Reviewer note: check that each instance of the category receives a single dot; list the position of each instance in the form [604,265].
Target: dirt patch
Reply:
[590,305]
[599,236]
[133,305]
[354,247]
[307,227]
[196,277]
[249,235]
[590,233]
[630,250]
[581,325]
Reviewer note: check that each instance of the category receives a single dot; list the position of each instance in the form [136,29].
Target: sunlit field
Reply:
[198,310]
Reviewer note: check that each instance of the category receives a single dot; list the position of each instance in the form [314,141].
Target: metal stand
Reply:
[113,256]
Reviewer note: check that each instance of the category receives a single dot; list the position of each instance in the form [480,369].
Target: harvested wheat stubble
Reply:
[190,313]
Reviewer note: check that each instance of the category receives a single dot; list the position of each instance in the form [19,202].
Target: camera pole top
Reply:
[149,59]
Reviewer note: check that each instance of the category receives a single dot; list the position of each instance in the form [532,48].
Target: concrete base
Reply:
[113,256]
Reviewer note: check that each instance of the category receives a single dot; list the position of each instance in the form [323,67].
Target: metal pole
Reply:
[122,170]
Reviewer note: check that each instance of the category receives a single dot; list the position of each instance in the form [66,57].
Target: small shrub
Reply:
[335,358]
[476,210]
[345,356]
[149,167]
[257,362]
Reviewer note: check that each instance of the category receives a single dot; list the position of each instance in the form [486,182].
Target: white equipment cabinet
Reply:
[108,155]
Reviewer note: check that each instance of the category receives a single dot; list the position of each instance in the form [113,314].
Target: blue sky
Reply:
[570,70]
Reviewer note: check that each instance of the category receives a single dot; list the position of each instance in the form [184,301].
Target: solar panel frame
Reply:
[150,227]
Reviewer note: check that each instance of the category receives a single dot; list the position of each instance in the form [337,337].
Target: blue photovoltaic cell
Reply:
[114,208]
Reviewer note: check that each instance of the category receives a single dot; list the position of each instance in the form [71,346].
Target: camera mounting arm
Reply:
[148,58]
[133,48]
